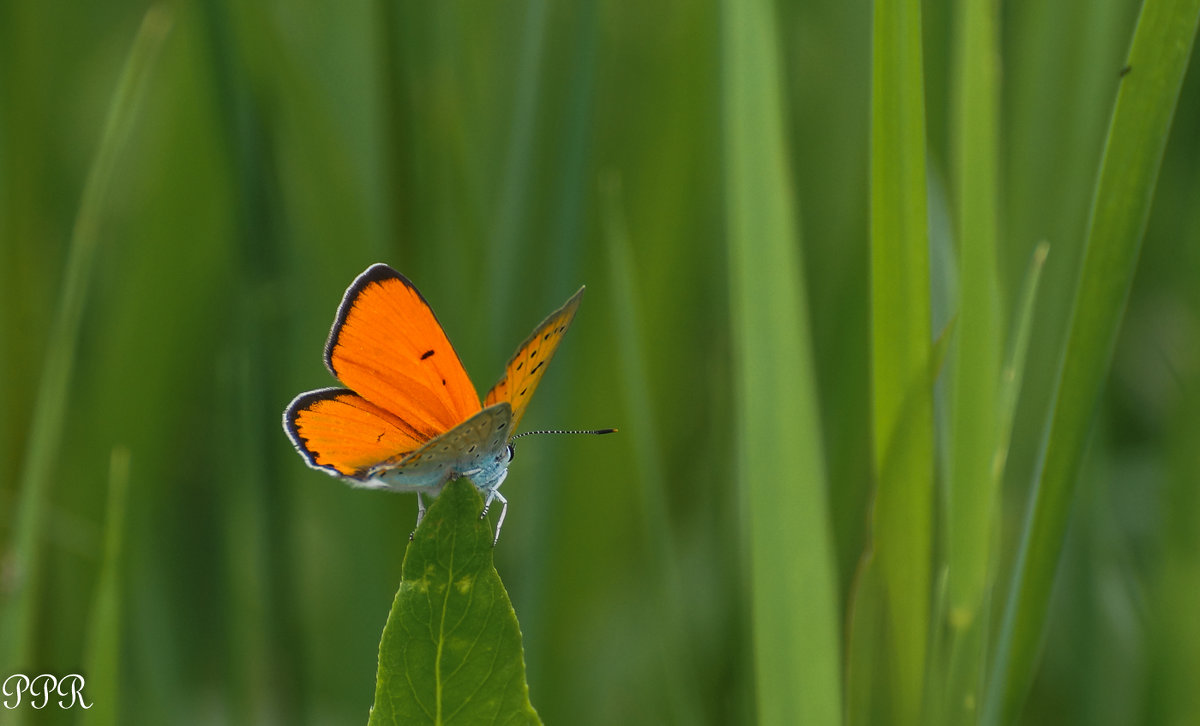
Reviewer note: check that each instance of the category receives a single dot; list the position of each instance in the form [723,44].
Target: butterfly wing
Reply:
[344,434]
[526,368]
[388,346]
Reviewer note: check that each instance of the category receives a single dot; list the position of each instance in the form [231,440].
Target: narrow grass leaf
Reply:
[971,488]
[102,659]
[1014,360]
[507,246]
[902,396]
[1175,600]
[451,649]
[963,670]
[675,650]
[17,610]
[866,676]
[971,485]
[1137,136]
[780,465]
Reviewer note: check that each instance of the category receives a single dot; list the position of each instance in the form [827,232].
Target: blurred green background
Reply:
[500,155]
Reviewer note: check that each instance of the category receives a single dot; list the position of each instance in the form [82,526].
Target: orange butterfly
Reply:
[410,419]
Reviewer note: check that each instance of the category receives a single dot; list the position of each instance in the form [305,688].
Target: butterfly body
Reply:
[409,418]
[477,448]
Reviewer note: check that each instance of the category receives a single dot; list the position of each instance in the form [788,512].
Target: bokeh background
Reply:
[500,155]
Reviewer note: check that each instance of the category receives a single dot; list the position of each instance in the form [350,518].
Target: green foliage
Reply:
[868,425]
[451,649]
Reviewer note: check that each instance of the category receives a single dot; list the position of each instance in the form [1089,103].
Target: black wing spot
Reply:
[443,381]
[519,364]
[472,449]
[501,426]
[523,390]
[380,436]
[539,365]
[546,336]
[426,354]
[533,352]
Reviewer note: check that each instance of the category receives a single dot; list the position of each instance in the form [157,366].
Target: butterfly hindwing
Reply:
[525,369]
[337,430]
[388,346]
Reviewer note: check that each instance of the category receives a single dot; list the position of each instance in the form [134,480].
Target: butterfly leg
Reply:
[420,516]
[493,494]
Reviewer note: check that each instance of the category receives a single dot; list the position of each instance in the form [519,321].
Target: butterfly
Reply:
[409,418]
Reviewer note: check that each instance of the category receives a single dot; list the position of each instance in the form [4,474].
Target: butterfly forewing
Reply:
[345,434]
[525,369]
[387,345]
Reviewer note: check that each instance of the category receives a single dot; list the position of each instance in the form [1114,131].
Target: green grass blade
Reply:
[866,679]
[506,246]
[1014,360]
[17,611]
[451,649]
[971,493]
[781,470]
[872,680]
[962,673]
[972,486]
[1133,153]
[1173,626]
[674,647]
[900,355]
[102,658]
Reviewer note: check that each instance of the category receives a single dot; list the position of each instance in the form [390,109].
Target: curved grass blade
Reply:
[17,611]
[870,687]
[1014,360]
[964,672]
[451,649]
[1133,153]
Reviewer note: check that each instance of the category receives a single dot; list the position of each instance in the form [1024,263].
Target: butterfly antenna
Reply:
[565,431]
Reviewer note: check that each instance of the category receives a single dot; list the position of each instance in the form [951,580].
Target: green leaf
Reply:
[451,649]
